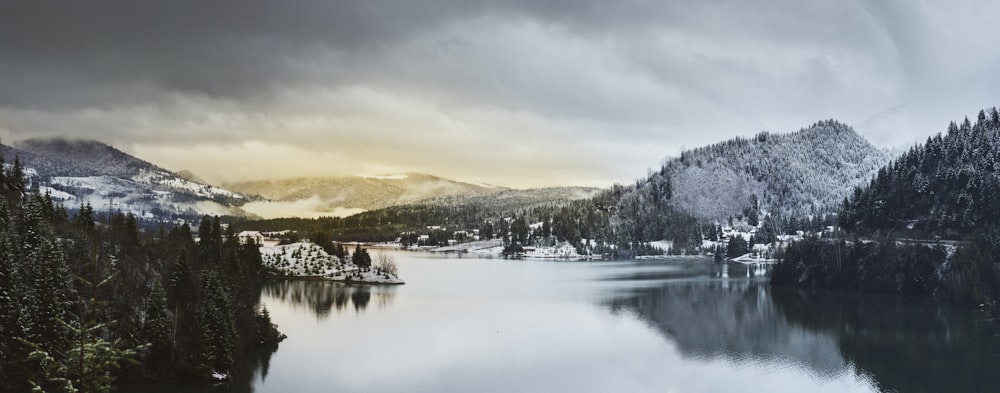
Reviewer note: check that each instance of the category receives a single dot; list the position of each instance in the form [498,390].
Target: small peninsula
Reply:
[309,260]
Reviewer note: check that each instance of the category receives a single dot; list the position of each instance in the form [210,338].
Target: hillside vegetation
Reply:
[807,172]
[946,188]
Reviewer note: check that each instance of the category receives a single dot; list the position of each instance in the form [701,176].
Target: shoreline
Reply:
[325,278]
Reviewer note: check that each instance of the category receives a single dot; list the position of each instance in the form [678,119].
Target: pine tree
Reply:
[737,247]
[10,305]
[15,178]
[217,327]
[361,258]
[157,327]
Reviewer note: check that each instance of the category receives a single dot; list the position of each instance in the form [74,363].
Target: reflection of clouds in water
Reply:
[322,297]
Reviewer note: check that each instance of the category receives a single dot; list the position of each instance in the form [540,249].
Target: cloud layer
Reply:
[519,93]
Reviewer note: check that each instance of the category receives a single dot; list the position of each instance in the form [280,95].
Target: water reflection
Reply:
[897,344]
[732,320]
[678,325]
[902,344]
[254,367]
[323,296]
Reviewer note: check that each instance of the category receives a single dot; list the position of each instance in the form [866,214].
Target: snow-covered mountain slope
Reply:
[801,173]
[335,196]
[79,171]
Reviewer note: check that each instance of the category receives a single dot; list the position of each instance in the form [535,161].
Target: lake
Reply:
[463,324]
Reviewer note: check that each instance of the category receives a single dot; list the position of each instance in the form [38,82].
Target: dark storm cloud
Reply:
[506,88]
[239,48]
[227,48]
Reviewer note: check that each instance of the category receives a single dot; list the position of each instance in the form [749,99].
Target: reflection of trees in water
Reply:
[241,379]
[325,296]
[259,361]
[733,320]
[902,344]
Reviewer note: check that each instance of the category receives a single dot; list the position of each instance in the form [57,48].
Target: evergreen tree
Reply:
[737,247]
[361,258]
[217,327]
[157,327]
[519,230]
[769,230]
[10,305]
[15,178]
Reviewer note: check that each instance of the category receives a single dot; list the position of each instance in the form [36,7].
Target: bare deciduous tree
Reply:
[386,263]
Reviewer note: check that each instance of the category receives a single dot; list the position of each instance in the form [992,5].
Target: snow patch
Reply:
[305,259]
[58,195]
[385,177]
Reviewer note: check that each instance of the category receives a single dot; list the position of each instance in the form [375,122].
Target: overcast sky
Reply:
[517,93]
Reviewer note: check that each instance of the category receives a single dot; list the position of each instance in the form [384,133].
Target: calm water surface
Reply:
[490,325]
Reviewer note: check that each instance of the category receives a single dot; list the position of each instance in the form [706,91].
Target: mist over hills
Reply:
[346,195]
[361,192]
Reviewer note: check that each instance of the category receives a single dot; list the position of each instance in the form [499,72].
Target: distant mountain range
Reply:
[808,172]
[74,172]
[355,193]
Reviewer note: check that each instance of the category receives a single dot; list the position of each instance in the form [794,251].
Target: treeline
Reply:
[619,222]
[946,188]
[86,299]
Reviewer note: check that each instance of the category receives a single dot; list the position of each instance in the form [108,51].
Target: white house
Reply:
[248,236]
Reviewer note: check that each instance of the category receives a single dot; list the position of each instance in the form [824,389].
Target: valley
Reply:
[817,208]
[490,196]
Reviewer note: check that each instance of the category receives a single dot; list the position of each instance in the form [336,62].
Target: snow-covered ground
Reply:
[752,258]
[561,251]
[134,197]
[478,247]
[386,177]
[57,195]
[495,248]
[305,259]
[172,181]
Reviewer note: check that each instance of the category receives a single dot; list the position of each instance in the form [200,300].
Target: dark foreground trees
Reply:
[86,299]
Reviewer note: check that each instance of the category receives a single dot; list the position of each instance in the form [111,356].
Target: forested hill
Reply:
[949,186]
[801,173]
